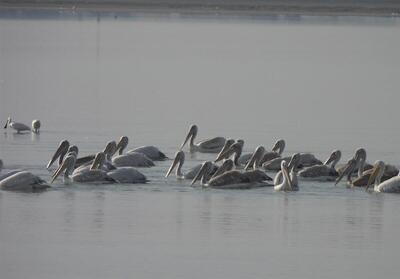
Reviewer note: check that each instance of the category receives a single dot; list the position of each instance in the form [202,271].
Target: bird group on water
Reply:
[229,170]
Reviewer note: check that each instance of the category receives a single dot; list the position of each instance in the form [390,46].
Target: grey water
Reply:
[320,83]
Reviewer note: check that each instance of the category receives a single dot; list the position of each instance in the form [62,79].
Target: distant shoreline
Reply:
[212,7]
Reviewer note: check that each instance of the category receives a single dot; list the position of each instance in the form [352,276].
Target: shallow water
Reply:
[320,83]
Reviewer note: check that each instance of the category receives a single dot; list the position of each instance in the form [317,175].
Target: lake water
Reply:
[321,83]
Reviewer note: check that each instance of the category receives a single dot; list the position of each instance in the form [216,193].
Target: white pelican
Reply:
[275,152]
[236,150]
[19,127]
[35,126]
[23,181]
[389,172]
[178,162]
[391,185]
[292,168]
[357,162]
[151,152]
[213,145]
[254,161]
[306,160]
[325,172]
[120,175]
[92,175]
[227,145]
[286,184]
[60,153]
[231,179]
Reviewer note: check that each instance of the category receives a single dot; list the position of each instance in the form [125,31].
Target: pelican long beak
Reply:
[226,166]
[372,177]
[203,170]
[5,126]
[60,169]
[226,154]
[287,177]
[60,152]
[121,145]
[331,158]
[227,145]
[98,161]
[255,158]
[347,171]
[177,159]
[189,135]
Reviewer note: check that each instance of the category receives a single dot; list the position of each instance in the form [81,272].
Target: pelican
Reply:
[286,184]
[60,153]
[35,126]
[306,160]
[19,127]
[178,161]
[227,145]
[213,145]
[255,158]
[236,150]
[151,152]
[120,175]
[275,152]
[92,175]
[389,172]
[292,169]
[23,181]
[231,179]
[325,172]
[391,185]
[357,162]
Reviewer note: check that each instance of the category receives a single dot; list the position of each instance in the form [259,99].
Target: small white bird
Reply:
[19,127]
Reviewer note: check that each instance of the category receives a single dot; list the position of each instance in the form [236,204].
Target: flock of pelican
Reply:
[229,170]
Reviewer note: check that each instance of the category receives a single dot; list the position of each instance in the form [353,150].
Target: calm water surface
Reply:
[321,84]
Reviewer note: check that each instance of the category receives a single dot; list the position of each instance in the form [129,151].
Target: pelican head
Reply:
[8,122]
[60,153]
[122,144]
[110,149]
[204,173]
[348,170]
[334,158]
[98,161]
[227,145]
[285,172]
[361,157]
[227,165]
[235,148]
[294,162]
[376,175]
[279,146]
[67,166]
[190,135]
[255,158]
[178,160]
[73,148]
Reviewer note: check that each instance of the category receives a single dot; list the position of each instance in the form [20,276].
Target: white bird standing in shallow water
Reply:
[178,162]
[286,184]
[213,145]
[325,172]
[19,127]
[36,126]
[392,185]
[150,151]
